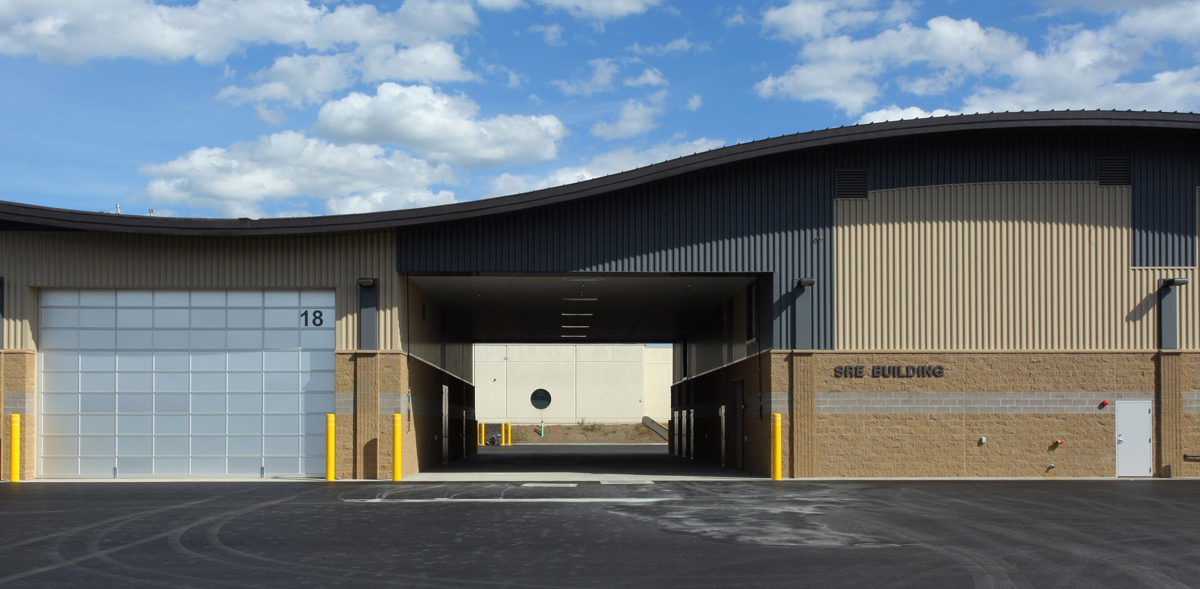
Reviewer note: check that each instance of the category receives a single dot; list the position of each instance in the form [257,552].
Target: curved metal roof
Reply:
[18,214]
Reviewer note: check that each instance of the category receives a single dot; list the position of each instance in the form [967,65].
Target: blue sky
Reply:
[263,108]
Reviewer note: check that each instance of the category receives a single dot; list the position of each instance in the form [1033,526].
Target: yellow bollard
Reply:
[482,432]
[14,446]
[329,440]
[776,446]
[504,435]
[397,421]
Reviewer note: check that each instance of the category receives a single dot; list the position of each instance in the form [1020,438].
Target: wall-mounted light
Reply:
[805,282]
[366,282]
[1174,282]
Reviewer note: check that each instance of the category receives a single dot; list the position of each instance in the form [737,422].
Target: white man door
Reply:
[1135,438]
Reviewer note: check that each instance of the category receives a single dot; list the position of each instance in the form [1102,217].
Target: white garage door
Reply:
[176,383]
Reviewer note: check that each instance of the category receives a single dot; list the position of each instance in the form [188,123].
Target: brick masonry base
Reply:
[932,426]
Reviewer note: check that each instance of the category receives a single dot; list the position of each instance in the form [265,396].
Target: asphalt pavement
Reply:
[621,532]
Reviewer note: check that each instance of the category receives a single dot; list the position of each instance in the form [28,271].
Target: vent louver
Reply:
[851,183]
[1115,170]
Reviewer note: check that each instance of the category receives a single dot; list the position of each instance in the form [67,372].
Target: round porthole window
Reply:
[540,399]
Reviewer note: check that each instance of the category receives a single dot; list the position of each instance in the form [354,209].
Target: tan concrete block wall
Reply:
[1191,445]
[1190,420]
[18,394]
[944,442]
[947,445]
[996,371]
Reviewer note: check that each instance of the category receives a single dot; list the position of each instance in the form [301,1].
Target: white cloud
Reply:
[896,113]
[209,30]
[1104,5]
[635,118]
[603,72]
[270,116]
[551,34]
[813,19]
[650,77]
[435,61]
[500,4]
[602,165]
[237,181]
[440,127]
[600,10]
[681,45]
[994,69]
[694,102]
[846,85]
[296,79]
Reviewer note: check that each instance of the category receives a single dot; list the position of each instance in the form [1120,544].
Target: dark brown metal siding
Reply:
[773,215]
[751,218]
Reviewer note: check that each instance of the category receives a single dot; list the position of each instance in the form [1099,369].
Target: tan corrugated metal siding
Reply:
[34,260]
[996,266]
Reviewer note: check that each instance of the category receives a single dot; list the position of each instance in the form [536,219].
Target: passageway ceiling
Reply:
[560,309]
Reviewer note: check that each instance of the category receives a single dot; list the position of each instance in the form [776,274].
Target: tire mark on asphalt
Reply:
[130,517]
[1041,541]
[212,536]
[95,553]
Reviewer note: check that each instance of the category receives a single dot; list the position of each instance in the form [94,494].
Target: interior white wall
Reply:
[597,383]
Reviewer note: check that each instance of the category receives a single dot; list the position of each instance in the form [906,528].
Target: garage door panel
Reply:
[208,424]
[97,425]
[60,339]
[281,382]
[129,403]
[171,403]
[135,425]
[208,340]
[281,446]
[319,404]
[276,466]
[281,424]
[172,466]
[135,446]
[245,446]
[98,382]
[98,318]
[246,424]
[185,383]
[53,403]
[313,382]
[97,403]
[53,425]
[208,382]
[171,298]
[281,403]
[135,340]
[96,467]
[93,446]
[102,339]
[207,318]
[208,404]
[244,339]
[281,339]
[317,340]
[135,382]
[135,466]
[208,446]
[60,446]
[97,298]
[171,339]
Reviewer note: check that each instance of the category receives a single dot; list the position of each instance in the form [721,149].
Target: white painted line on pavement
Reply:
[563,485]
[545,500]
[626,482]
